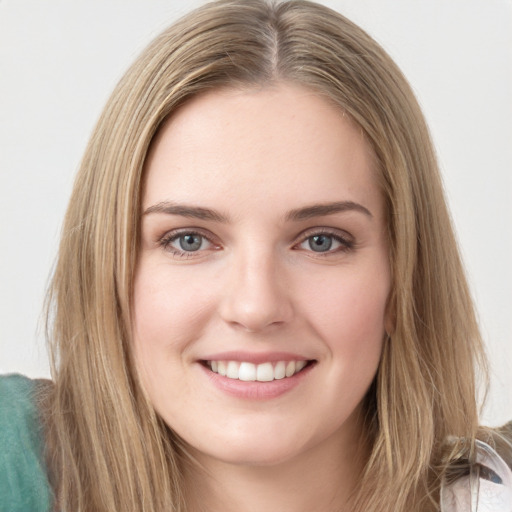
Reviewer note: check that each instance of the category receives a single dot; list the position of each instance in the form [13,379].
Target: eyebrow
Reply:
[307,212]
[194,212]
[319,210]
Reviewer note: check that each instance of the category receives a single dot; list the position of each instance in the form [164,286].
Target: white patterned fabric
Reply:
[488,487]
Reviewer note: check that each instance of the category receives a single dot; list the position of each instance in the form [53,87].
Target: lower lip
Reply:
[255,390]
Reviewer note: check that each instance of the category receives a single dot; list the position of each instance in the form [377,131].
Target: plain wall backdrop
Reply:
[60,60]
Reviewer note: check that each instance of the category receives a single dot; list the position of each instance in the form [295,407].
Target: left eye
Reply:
[323,242]
[320,243]
[189,242]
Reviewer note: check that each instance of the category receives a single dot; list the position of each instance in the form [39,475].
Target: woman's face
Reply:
[261,285]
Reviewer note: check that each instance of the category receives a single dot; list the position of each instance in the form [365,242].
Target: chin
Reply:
[260,445]
[257,455]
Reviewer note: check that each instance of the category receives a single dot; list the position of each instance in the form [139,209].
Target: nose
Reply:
[256,295]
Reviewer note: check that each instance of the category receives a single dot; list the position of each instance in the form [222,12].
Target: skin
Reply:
[257,285]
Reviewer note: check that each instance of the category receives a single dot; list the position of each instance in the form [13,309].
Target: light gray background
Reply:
[59,60]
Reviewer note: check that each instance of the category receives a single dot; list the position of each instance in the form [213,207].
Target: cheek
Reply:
[348,312]
[169,308]
[354,300]
[169,313]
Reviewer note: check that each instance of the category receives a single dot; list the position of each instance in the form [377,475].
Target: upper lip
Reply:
[255,357]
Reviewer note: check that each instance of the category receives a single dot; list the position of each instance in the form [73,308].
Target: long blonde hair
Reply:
[107,448]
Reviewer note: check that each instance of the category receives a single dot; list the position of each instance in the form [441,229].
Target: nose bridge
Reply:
[255,296]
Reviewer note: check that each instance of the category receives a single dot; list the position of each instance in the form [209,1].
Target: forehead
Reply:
[281,144]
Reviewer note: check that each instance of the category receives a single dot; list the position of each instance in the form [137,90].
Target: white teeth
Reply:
[232,370]
[280,370]
[299,365]
[221,368]
[290,369]
[264,372]
[246,372]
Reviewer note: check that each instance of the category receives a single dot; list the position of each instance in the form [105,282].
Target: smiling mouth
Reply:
[264,372]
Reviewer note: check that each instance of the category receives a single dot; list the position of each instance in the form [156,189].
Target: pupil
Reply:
[320,243]
[190,242]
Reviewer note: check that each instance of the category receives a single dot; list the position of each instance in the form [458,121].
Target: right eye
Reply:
[186,243]
[190,242]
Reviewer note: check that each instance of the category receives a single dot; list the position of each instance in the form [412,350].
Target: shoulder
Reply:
[23,481]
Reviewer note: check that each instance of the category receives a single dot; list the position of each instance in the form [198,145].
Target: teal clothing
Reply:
[23,481]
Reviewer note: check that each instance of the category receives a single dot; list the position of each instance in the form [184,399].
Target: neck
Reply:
[322,479]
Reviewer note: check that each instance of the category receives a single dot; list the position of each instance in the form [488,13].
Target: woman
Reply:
[258,302]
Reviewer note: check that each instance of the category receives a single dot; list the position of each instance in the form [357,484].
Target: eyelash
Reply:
[346,243]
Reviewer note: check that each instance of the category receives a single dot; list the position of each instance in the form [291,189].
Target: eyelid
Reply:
[324,230]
